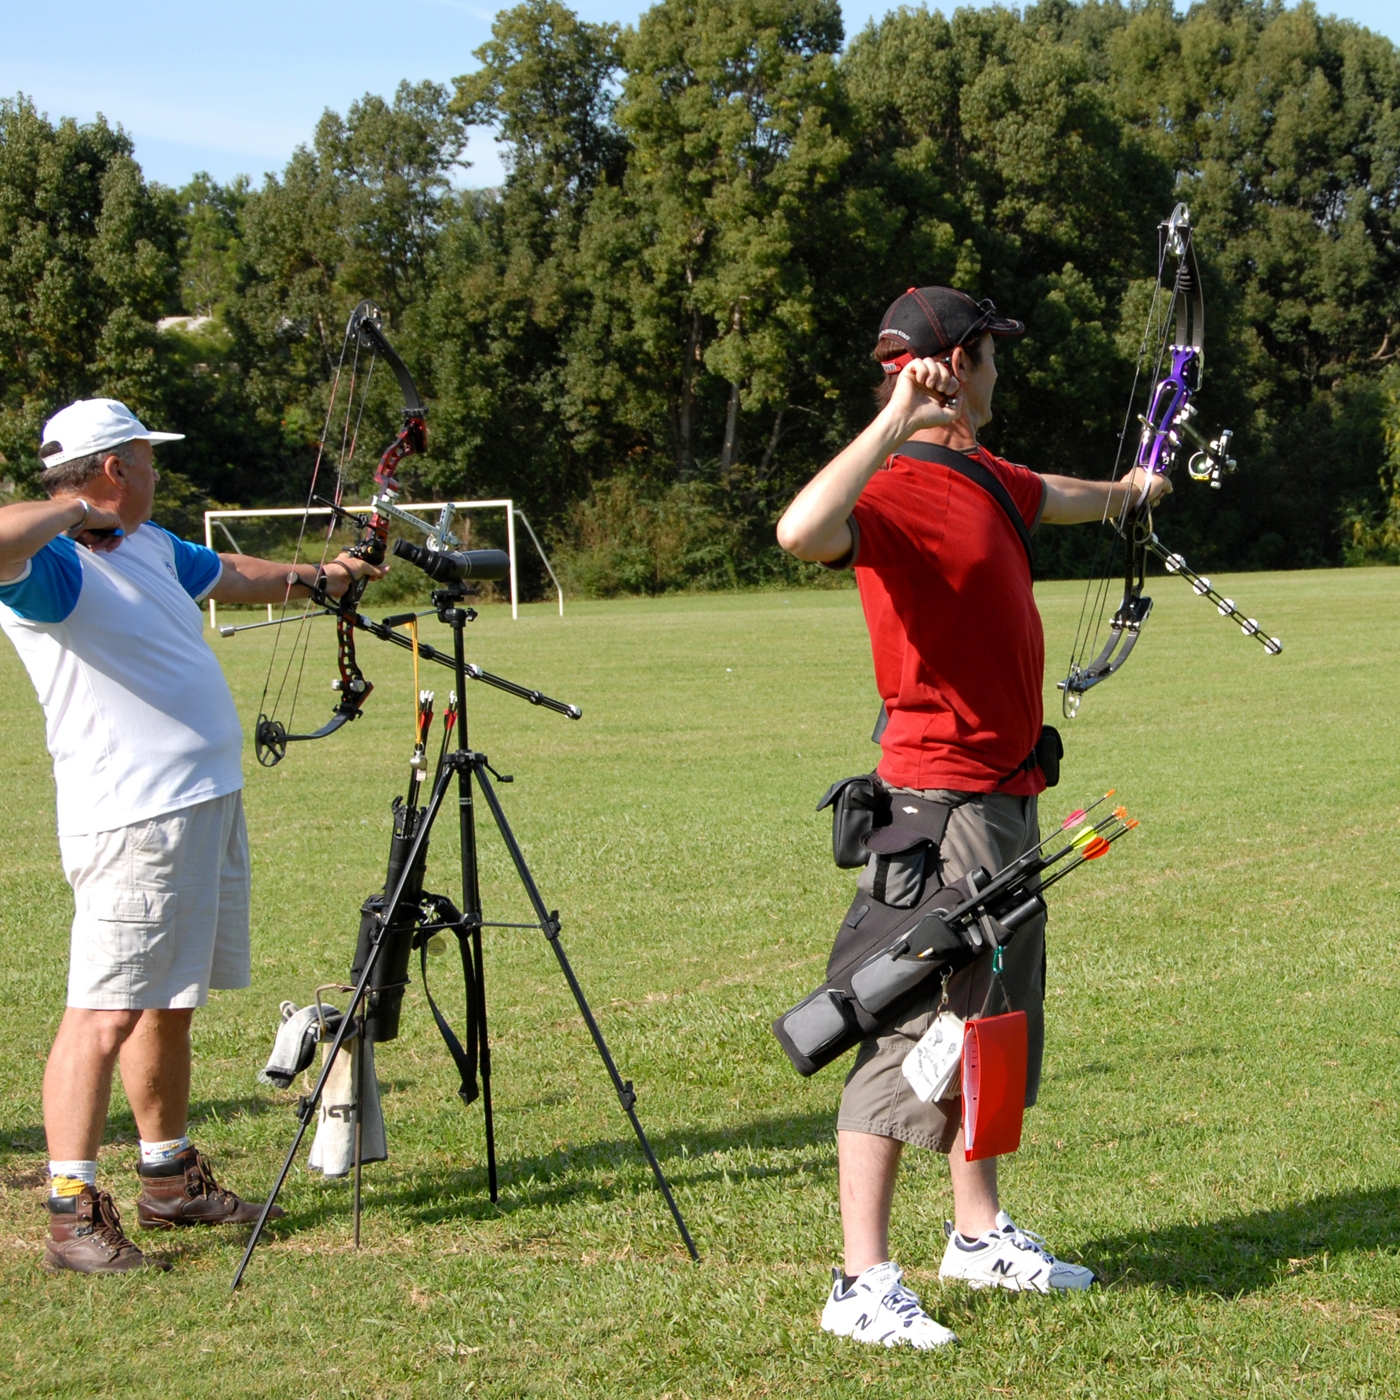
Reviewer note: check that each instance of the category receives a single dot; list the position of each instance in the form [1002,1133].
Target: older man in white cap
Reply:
[103,607]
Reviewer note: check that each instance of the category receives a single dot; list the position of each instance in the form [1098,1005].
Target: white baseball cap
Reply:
[93,425]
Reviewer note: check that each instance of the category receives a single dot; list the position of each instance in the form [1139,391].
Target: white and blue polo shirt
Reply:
[139,716]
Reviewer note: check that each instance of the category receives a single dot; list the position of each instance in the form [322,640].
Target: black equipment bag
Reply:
[896,837]
[866,985]
[881,976]
[420,915]
[898,908]
[391,967]
[858,805]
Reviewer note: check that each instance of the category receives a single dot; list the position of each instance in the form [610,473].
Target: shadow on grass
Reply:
[121,1126]
[1247,1253]
[600,1171]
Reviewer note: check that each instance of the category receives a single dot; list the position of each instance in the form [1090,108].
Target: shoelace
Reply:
[107,1224]
[1027,1239]
[206,1178]
[904,1303]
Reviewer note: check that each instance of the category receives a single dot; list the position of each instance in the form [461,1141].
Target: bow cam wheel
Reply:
[270,742]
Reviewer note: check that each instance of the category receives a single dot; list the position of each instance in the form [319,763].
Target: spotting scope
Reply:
[454,565]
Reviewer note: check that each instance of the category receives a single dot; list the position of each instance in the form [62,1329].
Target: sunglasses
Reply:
[989,314]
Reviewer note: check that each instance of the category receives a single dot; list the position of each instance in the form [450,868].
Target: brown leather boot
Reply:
[86,1236]
[183,1191]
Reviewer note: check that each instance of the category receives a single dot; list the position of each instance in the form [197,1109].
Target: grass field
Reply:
[1217,1133]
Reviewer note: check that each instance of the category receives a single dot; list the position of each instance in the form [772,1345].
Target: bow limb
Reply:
[412,439]
[270,737]
[1125,627]
[365,324]
[1176,380]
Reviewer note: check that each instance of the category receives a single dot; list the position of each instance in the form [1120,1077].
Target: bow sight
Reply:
[1167,427]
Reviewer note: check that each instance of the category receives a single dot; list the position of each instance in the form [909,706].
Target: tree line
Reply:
[660,323]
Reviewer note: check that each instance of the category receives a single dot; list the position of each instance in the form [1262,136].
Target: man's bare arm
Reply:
[1069,500]
[816,526]
[27,526]
[247,579]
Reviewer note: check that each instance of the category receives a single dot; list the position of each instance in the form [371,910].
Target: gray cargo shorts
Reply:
[988,829]
[161,909]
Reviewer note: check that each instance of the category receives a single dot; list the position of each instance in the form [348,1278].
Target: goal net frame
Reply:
[217,517]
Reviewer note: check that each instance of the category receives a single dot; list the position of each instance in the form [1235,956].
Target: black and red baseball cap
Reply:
[934,320]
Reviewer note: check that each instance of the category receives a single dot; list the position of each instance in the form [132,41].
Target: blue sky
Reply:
[235,90]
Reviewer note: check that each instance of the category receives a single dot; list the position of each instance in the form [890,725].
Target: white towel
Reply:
[333,1151]
[295,1046]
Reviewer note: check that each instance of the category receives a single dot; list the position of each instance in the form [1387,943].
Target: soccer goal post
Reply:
[216,519]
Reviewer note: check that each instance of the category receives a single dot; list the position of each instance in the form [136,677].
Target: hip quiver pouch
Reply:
[898,894]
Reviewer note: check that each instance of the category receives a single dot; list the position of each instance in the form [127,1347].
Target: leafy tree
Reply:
[356,216]
[1373,537]
[87,265]
[211,246]
[546,83]
[660,323]
[1016,181]
[504,320]
[734,113]
[1284,131]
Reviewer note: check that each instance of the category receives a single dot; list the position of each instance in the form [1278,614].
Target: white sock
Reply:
[68,1178]
[155,1153]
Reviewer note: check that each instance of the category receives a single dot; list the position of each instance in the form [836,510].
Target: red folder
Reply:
[994,1084]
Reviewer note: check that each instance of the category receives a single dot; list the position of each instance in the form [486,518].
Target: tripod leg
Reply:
[484,1064]
[471,903]
[357,1001]
[276,1190]
[359,1125]
[549,922]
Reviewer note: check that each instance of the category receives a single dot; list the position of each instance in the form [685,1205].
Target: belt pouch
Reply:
[1049,750]
[858,806]
[896,866]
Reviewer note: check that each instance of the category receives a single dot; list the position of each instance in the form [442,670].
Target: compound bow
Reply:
[1166,427]
[363,333]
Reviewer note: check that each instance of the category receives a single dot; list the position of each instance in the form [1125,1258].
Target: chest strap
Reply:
[978,473]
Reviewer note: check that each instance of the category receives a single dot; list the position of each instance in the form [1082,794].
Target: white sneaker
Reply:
[880,1310]
[1009,1257]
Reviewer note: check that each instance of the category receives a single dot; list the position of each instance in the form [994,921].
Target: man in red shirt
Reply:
[937,530]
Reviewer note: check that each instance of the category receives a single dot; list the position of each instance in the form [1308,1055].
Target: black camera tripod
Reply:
[381,962]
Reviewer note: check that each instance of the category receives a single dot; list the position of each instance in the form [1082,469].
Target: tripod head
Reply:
[446,603]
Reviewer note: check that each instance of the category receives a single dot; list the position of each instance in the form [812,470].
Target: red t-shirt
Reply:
[955,633]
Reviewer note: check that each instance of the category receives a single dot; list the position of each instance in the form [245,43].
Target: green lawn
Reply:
[1217,1133]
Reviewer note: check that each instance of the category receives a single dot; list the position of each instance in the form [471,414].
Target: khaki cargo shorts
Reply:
[990,829]
[161,909]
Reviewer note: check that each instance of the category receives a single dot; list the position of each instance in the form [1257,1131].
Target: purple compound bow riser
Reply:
[1171,400]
